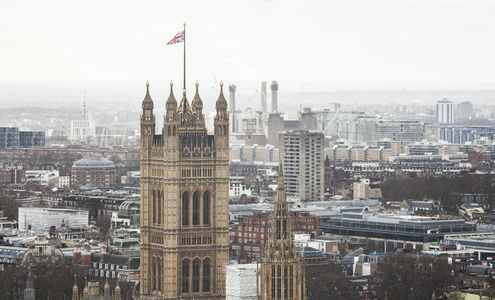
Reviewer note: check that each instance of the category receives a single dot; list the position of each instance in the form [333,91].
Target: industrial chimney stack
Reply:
[263,96]
[232,89]
[274,88]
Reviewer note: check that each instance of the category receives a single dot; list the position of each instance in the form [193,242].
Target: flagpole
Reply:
[184,56]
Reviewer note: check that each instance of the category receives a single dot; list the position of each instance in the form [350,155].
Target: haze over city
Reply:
[54,51]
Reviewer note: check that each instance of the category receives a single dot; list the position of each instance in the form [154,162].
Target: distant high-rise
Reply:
[263,96]
[233,114]
[274,88]
[9,137]
[302,153]
[464,110]
[29,139]
[232,89]
[445,112]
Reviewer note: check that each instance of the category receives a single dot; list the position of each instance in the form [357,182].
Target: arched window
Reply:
[185,275]
[206,208]
[185,209]
[195,275]
[169,130]
[196,208]
[206,275]
[159,208]
[153,273]
[159,275]
[154,206]
[285,229]
[278,229]
[174,133]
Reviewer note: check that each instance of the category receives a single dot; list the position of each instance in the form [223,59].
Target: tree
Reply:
[9,207]
[13,282]
[328,283]
[104,222]
[413,277]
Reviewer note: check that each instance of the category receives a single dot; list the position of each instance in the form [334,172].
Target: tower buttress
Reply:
[197,107]
[171,118]
[221,122]
[147,119]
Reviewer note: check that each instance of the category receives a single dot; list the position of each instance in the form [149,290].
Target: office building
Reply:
[445,112]
[29,139]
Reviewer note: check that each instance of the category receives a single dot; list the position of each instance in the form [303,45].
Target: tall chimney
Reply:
[263,96]
[274,88]
[232,89]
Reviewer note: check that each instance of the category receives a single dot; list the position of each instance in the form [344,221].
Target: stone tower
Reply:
[184,200]
[281,274]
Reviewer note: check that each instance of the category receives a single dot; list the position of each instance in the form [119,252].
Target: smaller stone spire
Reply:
[281,186]
[86,289]
[118,292]
[171,98]
[29,292]
[197,103]
[147,101]
[106,289]
[221,102]
[75,289]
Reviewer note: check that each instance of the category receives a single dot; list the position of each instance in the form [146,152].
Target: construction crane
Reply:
[67,133]
[331,120]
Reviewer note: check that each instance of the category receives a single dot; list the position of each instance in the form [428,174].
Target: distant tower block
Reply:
[274,88]
[232,89]
[263,96]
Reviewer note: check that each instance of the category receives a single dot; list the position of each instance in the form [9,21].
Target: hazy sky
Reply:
[316,44]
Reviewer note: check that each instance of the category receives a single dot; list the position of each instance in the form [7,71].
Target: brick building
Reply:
[97,171]
[249,236]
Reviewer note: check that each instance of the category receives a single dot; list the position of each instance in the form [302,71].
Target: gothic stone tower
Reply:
[184,200]
[281,273]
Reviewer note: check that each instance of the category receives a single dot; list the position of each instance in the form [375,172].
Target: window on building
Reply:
[206,275]
[206,208]
[185,209]
[196,208]
[185,276]
[195,275]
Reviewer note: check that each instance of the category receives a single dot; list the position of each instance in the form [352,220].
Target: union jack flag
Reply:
[178,38]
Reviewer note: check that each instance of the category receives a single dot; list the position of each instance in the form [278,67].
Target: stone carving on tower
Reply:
[184,200]
[281,274]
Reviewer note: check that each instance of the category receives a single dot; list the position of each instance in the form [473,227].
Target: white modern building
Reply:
[36,219]
[237,187]
[241,282]
[302,153]
[43,177]
[445,112]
